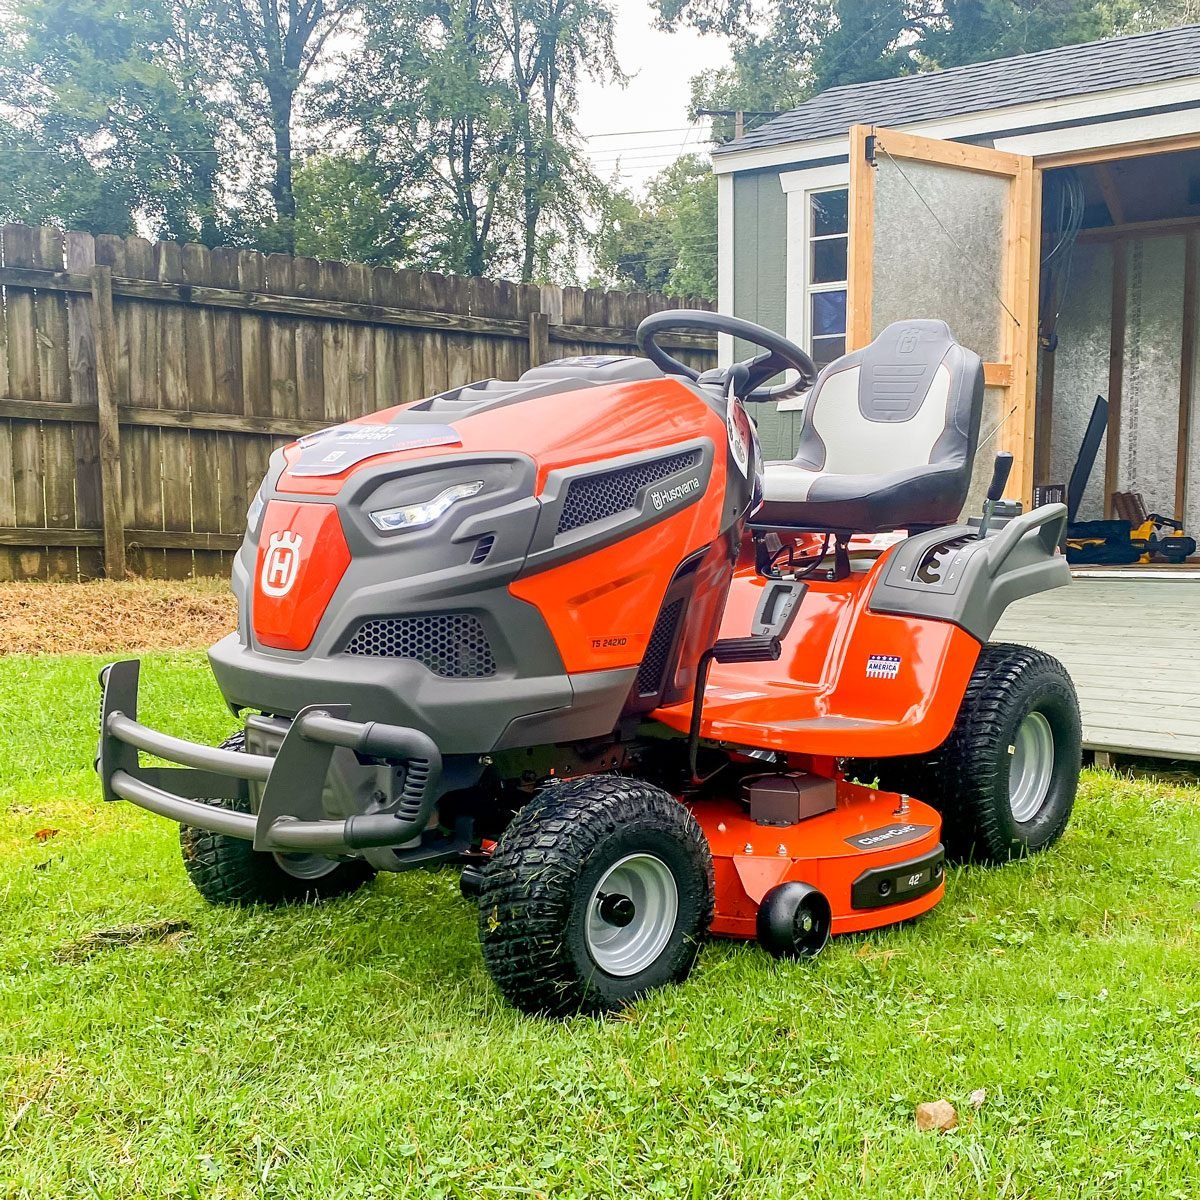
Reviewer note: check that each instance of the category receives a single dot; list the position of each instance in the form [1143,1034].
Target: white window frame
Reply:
[799,187]
[834,285]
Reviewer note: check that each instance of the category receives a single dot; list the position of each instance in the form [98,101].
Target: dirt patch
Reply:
[109,618]
[168,931]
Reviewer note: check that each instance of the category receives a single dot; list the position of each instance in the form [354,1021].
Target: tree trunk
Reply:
[282,194]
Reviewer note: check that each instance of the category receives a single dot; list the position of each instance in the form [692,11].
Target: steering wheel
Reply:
[781,354]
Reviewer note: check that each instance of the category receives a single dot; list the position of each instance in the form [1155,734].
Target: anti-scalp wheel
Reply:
[794,920]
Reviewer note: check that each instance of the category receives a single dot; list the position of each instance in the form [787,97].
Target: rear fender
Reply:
[952,575]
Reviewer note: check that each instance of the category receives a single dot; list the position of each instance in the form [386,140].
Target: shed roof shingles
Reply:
[1156,57]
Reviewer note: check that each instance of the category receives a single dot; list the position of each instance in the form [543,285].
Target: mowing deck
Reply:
[1132,644]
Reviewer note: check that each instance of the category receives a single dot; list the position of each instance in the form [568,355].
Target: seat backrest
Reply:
[911,398]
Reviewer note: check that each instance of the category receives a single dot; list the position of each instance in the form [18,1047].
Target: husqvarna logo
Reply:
[660,499]
[281,563]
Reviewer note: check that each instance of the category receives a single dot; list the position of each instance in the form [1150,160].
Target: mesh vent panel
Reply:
[453,645]
[599,496]
[658,649]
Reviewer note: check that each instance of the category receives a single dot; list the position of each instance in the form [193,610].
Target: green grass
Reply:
[359,1049]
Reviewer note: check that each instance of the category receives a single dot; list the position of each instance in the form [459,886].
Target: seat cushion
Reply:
[794,496]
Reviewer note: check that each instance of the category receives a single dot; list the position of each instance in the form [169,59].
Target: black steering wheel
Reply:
[781,354]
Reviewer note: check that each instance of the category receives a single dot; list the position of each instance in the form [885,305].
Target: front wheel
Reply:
[228,870]
[599,891]
[1005,779]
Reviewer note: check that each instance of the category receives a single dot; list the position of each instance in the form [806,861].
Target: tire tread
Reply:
[227,870]
[528,886]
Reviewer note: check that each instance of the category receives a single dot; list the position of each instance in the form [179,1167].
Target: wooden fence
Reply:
[144,385]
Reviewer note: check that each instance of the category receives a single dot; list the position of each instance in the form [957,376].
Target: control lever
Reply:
[756,648]
[739,379]
[777,609]
[1000,473]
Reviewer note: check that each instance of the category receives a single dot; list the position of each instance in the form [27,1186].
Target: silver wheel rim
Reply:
[1031,767]
[631,914]
[304,866]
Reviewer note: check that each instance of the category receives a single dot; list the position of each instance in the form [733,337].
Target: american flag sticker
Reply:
[883,666]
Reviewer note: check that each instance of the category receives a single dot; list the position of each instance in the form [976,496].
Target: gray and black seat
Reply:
[888,437]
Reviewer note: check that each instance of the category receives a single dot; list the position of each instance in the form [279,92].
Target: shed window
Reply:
[825,286]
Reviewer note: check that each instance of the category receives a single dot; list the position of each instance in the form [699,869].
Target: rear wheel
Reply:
[1005,779]
[600,890]
[228,870]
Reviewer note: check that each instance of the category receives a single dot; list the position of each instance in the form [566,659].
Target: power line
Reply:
[602,152]
[605,150]
[587,137]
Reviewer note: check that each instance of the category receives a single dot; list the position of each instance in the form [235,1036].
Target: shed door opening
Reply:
[1118,318]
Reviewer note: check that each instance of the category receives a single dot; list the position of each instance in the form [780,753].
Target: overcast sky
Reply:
[642,127]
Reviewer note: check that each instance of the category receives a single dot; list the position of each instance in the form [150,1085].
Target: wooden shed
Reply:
[1048,208]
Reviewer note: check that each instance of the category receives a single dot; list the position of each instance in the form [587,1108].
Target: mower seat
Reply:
[888,437]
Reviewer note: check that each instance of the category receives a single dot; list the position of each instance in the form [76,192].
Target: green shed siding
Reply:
[760,284]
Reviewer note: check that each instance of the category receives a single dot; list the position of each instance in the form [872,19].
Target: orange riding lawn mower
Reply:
[570,634]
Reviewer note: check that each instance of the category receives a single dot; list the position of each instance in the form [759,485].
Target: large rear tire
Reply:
[599,891]
[228,870]
[1005,779]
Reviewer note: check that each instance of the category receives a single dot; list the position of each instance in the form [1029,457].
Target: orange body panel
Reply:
[302,556]
[821,697]
[749,859]
[601,607]
[558,431]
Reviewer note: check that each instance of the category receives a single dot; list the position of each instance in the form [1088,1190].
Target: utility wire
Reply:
[587,137]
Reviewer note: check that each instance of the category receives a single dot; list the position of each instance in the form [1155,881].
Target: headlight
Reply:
[256,508]
[413,516]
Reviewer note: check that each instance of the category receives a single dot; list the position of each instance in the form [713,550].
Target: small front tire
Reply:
[228,870]
[599,891]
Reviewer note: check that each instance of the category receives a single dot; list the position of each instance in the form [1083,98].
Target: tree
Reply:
[269,51]
[105,122]
[686,193]
[552,43]
[346,211]
[796,48]
[466,107]
[666,242]
[978,30]
[632,249]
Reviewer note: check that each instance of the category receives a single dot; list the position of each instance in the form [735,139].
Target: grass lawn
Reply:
[359,1050]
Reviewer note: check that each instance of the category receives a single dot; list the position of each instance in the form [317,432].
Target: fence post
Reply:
[109,428]
[539,339]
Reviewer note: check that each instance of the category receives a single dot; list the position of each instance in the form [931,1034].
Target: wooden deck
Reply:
[1131,641]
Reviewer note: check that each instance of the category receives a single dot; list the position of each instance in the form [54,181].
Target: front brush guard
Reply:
[293,780]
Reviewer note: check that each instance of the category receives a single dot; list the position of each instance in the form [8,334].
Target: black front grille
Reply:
[658,650]
[453,645]
[598,496]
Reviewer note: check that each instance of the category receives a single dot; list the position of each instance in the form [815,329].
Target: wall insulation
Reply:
[1081,367]
[938,250]
[1191,508]
[938,253]
[1150,377]
[1149,423]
